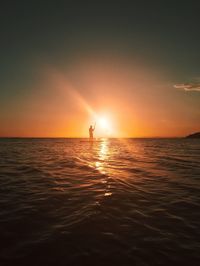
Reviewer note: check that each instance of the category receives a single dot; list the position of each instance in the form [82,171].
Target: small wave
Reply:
[133,202]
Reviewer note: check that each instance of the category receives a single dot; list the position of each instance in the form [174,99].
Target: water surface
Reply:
[111,202]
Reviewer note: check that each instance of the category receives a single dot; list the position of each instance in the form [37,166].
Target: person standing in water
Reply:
[91,130]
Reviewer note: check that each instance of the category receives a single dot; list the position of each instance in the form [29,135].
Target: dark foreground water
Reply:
[113,202]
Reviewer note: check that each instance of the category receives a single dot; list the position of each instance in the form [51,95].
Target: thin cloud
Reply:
[188,86]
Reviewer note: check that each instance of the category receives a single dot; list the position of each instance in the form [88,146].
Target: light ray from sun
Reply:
[67,90]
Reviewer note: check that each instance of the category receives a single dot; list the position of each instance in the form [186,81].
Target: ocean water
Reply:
[111,202]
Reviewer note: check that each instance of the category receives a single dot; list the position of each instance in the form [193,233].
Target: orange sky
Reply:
[137,101]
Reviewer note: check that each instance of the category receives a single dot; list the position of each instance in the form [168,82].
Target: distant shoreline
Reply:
[195,135]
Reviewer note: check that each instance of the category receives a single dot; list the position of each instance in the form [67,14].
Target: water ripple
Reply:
[111,202]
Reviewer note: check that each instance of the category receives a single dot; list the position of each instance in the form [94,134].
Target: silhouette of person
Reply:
[91,130]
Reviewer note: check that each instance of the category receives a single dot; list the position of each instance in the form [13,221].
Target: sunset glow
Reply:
[122,84]
[64,104]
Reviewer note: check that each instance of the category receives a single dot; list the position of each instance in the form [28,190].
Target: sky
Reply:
[65,65]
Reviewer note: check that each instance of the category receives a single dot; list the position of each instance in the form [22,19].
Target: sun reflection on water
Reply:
[103,154]
[102,164]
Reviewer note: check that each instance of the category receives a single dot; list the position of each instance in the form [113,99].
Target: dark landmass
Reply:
[194,136]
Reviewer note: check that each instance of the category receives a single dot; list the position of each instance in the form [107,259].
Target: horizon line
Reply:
[142,137]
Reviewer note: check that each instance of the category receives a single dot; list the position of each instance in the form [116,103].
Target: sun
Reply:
[103,123]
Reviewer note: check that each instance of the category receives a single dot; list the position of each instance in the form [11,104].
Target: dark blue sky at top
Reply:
[165,34]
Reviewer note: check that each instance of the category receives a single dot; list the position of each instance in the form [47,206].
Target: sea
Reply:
[106,202]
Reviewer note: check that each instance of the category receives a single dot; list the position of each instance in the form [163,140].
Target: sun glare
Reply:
[105,126]
[103,122]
